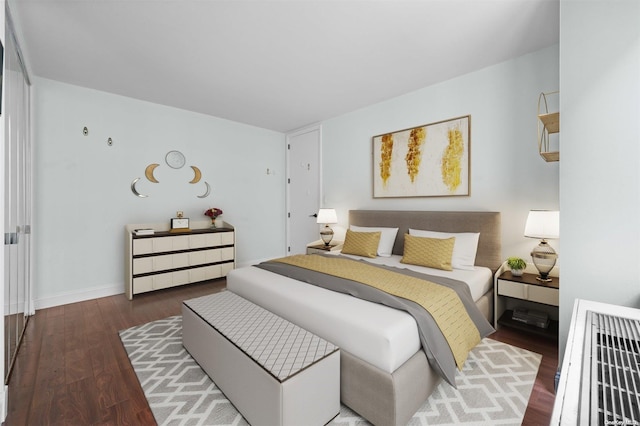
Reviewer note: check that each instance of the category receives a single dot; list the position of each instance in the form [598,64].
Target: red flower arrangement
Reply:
[213,212]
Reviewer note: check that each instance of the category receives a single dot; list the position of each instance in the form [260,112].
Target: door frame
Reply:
[311,128]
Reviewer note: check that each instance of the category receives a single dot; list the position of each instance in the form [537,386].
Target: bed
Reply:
[385,375]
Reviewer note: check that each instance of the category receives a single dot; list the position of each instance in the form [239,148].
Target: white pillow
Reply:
[387,238]
[464,249]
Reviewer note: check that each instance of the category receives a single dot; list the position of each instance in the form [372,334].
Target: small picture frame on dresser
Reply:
[179,224]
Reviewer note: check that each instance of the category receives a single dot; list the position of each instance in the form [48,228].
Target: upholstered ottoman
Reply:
[274,372]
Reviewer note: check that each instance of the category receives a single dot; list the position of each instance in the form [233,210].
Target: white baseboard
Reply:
[97,292]
[79,296]
[4,401]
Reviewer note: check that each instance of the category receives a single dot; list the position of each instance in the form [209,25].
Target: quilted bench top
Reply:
[279,346]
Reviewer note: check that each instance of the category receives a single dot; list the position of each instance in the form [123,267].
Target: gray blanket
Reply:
[433,341]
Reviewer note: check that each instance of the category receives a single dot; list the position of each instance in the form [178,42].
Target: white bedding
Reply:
[382,336]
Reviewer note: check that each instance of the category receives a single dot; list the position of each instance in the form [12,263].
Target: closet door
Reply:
[17,198]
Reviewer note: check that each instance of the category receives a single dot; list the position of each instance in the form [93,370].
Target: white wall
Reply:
[507,174]
[82,190]
[600,138]
[83,199]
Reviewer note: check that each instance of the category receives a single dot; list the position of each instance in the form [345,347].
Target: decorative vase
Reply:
[218,222]
[213,222]
[517,272]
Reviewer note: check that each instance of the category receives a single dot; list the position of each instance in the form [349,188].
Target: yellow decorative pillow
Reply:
[361,243]
[429,252]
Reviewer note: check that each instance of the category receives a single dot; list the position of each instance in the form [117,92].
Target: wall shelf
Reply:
[551,121]
[548,124]
[550,156]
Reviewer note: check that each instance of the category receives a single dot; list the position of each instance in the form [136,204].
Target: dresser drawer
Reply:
[205,240]
[211,240]
[228,238]
[167,244]
[142,284]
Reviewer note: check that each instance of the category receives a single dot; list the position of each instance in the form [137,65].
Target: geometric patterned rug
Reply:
[493,387]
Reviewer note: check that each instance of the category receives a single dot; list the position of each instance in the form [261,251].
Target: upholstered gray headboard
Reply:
[489,252]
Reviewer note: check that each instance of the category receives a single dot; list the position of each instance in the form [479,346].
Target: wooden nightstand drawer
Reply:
[511,289]
[548,296]
[534,293]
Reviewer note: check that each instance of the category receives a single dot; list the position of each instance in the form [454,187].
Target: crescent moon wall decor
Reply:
[207,192]
[197,175]
[148,172]
[135,191]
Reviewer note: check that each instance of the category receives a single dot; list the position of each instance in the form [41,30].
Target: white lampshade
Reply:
[327,216]
[543,224]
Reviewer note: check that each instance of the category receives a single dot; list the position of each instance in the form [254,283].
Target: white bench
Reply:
[274,372]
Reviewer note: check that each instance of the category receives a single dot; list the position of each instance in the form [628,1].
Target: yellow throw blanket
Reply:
[441,302]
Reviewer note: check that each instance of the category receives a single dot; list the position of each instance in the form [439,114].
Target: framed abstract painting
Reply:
[426,161]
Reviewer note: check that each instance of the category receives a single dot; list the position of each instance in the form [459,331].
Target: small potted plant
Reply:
[516,265]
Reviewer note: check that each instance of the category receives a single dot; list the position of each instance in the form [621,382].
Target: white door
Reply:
[303,188]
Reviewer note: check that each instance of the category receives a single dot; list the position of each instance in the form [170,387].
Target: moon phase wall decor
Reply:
[207,192]
[135,191]
[197,175]
[175,160]
[148,172]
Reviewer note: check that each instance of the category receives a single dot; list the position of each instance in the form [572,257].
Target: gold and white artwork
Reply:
[425,161]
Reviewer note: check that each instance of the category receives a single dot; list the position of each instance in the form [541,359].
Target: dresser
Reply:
[167,259]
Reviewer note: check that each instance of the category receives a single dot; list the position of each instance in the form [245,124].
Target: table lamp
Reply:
[327,216]
[543,224]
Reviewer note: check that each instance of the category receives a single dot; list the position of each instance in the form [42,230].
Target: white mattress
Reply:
[382,336]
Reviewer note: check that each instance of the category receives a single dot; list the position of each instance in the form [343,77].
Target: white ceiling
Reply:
[281,64]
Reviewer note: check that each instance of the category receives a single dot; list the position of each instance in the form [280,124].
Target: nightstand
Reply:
[315,248]
[526,292]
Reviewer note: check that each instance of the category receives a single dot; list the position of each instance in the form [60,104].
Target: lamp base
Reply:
[544,279]
[326,234]
[544,258]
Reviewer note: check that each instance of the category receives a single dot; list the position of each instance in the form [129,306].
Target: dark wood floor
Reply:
[72,369]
